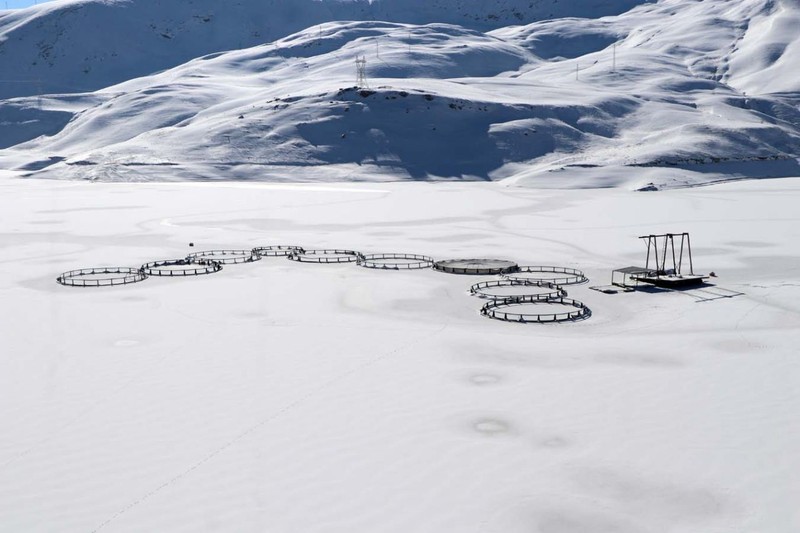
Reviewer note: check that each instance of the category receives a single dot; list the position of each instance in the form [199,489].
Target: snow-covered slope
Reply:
[666,94]
[83,45]
[767,58]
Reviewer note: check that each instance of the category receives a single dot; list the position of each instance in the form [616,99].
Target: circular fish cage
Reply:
[515,288]
[521,310]
[396,261]
[101,277]
[224,257]
[276,251]
[476,267]
[549,274]
[181,267]
[324,256]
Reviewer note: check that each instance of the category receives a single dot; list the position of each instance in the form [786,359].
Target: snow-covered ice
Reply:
[288,397]
[302,398]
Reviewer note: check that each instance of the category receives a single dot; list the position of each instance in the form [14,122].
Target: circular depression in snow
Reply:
[125,343]
[491,427]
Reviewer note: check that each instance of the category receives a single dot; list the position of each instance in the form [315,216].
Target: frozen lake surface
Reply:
[291,397]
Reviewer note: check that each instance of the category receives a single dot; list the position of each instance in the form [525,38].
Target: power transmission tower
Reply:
[361,71]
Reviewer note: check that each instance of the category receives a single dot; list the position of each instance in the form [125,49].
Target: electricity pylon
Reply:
[361,71]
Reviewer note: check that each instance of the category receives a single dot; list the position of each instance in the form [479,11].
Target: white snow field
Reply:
[635,94]
[287,397]
[291,397]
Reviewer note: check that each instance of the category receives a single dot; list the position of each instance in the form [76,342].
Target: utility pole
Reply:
[377,48]
[614,61]
[576,71]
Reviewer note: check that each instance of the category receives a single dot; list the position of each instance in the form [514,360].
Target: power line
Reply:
[614,60]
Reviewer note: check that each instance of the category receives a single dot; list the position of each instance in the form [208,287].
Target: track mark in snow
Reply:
[287,408]
[94,406]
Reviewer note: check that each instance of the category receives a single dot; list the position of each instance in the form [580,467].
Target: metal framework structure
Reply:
[483,289]
[101,277]
[225,257]
[509,308]
[572,276]
[276,251]
[180,267]
[396,261]
[476,267]
[361,72]
[325,256]
[667,257]
[501,310]
[668,245]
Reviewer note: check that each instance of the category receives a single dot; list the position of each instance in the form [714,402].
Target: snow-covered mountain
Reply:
[85,45]
[670,93]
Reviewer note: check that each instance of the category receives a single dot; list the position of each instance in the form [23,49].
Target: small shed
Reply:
[628,277]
